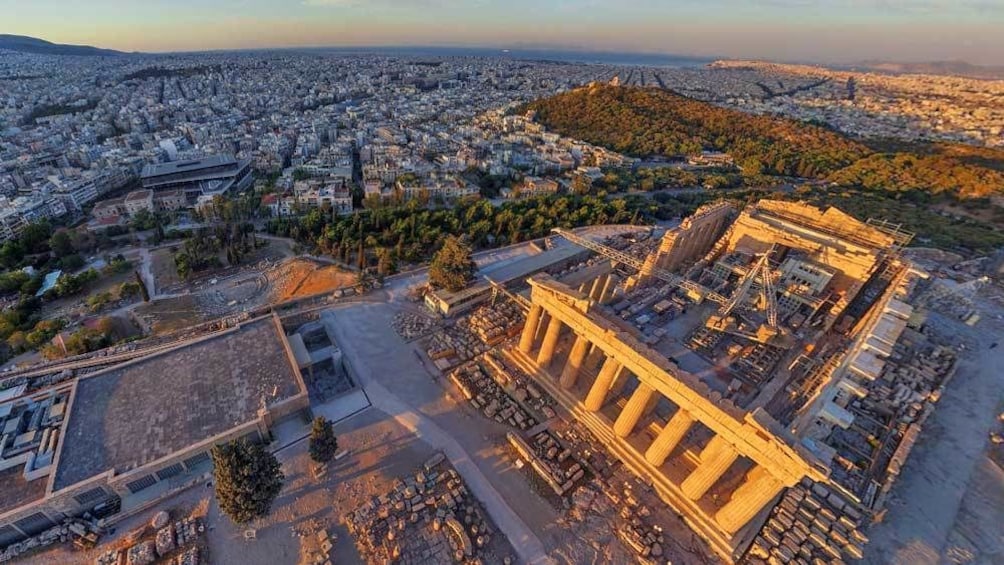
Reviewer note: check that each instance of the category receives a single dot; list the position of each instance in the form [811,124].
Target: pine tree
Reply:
[385,263]
[323,443]
[452,267]
[247,478]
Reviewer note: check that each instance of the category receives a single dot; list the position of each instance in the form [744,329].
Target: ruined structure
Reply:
[692,240]
[778,295]
[141,430]
[721,433]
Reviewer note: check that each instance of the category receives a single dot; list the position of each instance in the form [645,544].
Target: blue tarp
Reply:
[49,282]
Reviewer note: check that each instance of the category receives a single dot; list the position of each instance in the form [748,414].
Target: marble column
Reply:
[619,382]
[759,488]
[594,292]
[550,341]
[598,392]
[716,458]
[575,361]
[608,289]
[670,436]
[633,410]
[538,334]
[530,329]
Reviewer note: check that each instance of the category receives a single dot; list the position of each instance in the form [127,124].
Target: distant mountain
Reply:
[953,68]
[26,44]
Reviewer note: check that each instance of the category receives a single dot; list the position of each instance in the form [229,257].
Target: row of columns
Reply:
[601,289]
[715,459]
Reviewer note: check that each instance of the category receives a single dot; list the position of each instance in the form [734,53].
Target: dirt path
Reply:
[146,272]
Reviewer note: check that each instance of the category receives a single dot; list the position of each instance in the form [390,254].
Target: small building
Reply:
[311,194]
[712,159]
[447,189]
[507,273]
[169,200]
[111,208]
[138,200]
[533,186]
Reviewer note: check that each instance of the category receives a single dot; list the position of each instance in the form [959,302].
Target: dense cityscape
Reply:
[381,306]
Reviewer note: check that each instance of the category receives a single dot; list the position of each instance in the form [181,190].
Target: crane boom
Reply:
[519,300]
[638,264]
[767,290]
[767,296]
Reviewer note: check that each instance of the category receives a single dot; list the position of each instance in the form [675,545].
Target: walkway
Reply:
[355,346]
[925,504]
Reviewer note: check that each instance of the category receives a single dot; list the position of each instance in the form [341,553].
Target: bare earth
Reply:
[380,451]
[303,277]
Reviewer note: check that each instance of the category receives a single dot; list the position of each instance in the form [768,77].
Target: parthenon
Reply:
[713,440]
[712,361]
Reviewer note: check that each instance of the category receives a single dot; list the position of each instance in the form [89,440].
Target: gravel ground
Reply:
[941,509]
[381,451]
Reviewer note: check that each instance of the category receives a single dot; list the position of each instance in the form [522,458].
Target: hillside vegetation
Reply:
[647,122]
[936,174]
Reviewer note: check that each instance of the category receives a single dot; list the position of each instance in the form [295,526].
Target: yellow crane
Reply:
[725,321]
[692,287]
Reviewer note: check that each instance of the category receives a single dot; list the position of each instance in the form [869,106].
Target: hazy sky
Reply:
[821,30]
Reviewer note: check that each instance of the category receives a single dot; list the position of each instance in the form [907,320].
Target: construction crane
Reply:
[725,321]
[639,265]
[499,289]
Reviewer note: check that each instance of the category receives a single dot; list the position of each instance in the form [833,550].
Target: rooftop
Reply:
[138,412]
[15,491]
[506,272]
[48,282]
[138,195]
[173,167]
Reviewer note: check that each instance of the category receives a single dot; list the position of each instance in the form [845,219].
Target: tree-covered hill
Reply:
[647,122]
[936,174]
[651,122]
[25,44]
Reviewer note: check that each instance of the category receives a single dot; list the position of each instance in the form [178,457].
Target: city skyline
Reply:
[831,31]
[702,282]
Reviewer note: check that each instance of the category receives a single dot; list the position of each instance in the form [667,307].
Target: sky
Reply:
[827,31]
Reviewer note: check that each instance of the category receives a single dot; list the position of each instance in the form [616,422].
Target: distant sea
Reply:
[558,55]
